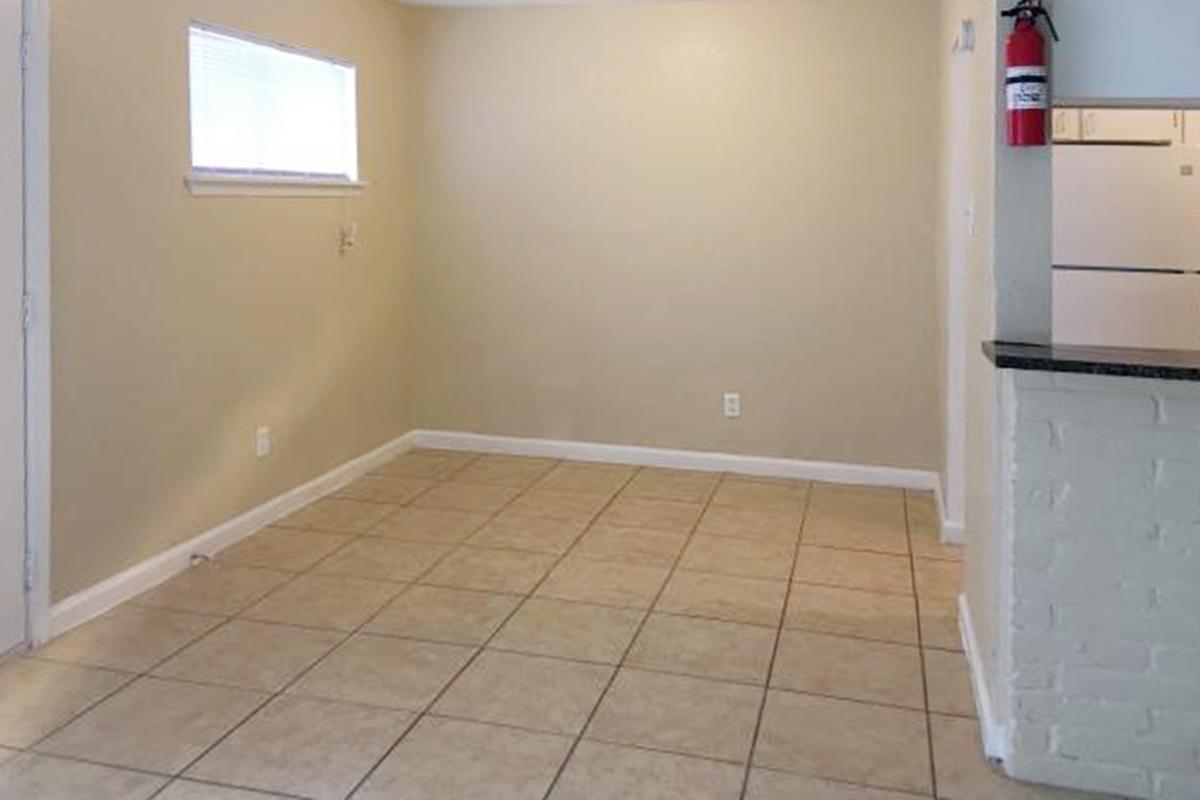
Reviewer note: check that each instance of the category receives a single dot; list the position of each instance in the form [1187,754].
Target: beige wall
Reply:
[607,215]
[180,323]
[627,209]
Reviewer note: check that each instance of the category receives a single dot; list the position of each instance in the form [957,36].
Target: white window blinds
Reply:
[264,109]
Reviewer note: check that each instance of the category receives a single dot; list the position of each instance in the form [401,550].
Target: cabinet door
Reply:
[1191,128]
[1068,127]
[1131,125]
[1127,309]
[1131,207]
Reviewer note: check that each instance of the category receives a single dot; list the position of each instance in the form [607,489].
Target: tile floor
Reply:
[473,627]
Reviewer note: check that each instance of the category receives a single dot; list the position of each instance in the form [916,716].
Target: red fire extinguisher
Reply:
[1027,79]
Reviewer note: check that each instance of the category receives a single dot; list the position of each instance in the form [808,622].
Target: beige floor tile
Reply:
[750,600]
[880,501]
[880,516]
[394,489]
[6,754]
[743,557]
[705,648]
[630,546]
[34,777]
[853,569]
[214,589]
[570,630]
[445,759]
[38,696]
[852,533]
[444,615]
[195,790]
[250,655]
[154,725]
[338,516]
[515,471]
[590,478]
[849,612]
[964,774]
[532,534]
[435,525]
[300,746]
[685,486]
[921,506]
[432,464]
[489,570]
[284,549]
[927,543]
[599,771]
[939,624]
[385,672]
[383,559]
[324,601]
[874,672]
[768,785]
[789,496]
[132,638]
[476,497]
[758,524]
[949,683]
[938,580]
[571,506]
[671,516]
[543,694]
[680,714]
[604,583]
[844,740]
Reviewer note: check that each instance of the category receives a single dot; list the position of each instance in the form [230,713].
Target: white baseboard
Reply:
[680,459]
[95,600]
[993,734]
[952,531]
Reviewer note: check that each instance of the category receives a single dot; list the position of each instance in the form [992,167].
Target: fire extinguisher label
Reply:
[1028,89]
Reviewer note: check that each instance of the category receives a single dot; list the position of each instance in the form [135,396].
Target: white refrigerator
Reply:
[1127,245]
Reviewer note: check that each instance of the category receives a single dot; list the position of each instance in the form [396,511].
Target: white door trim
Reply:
[36,21]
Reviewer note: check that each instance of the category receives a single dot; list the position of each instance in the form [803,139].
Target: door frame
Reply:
[38,375]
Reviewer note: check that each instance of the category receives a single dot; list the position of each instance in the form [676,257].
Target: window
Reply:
[269,117]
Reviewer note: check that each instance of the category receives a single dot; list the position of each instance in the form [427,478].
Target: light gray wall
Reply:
[1117,50]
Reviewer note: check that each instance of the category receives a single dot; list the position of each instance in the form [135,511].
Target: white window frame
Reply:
[232,183]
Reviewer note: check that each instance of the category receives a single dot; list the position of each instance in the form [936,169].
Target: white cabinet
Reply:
[1132,125]
[1127,309]
[1129,207]
[1191,128]
[1067,125]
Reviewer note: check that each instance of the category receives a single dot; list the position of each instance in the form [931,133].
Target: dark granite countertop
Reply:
[1168,365]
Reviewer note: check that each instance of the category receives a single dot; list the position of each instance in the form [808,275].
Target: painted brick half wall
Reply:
[1105,583]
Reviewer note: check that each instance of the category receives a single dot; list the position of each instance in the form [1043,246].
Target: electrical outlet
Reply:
[262,442]
[733,405]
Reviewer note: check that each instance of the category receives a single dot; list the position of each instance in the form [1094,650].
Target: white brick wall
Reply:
[1105,587]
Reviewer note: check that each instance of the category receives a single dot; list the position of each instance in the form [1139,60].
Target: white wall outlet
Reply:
[733,405]
[262,442]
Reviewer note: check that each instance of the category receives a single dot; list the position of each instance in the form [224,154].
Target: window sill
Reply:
[211,184]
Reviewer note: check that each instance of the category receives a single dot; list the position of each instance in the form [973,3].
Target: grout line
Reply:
[912,564]
[480,649]
[766,689]
[135,675]
[138,675]
[414,718]
[453,547]
[637,633]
